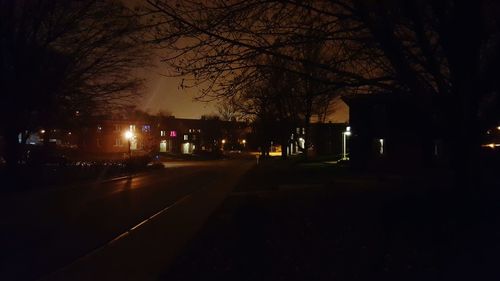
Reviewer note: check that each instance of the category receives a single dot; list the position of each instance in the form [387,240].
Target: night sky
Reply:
[163,94]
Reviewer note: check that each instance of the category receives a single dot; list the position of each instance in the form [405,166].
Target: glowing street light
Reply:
[345,134]
[223,141]
[129,135]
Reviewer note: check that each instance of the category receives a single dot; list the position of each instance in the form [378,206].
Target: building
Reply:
[108,136]
[388,130]
[151,134]
[328,139]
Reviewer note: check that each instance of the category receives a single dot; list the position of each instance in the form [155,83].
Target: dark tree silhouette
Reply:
[445,54]
[265,37]
[442,54]
[61,57]
[212,132]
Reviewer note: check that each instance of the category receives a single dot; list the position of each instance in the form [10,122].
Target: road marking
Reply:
[158,213]
[126,233]
[138,230]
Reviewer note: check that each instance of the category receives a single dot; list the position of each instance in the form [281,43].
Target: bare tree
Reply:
[220,45]
[61,57]
[445,53]
[229,48]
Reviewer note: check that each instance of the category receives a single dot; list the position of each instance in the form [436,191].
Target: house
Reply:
[328,138]
[389,130]
[153,134]
[108,136]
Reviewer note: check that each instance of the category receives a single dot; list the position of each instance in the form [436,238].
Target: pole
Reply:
[129,151]
[343,146]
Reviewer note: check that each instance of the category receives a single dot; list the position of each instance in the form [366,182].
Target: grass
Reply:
[339,224]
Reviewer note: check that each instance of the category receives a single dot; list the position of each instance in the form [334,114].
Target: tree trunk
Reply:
[284,147]
[307,137]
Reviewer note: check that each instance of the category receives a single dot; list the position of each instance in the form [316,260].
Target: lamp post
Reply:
[129,135]
[344,143]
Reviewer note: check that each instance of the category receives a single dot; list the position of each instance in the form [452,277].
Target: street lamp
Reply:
[223,142]
[129,135]
[344,142]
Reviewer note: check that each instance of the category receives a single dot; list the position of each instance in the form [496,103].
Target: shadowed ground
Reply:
[323,222]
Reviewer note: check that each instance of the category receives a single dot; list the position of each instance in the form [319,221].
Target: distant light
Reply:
[128,135]
[491,145]
[244,141]
[42,131]
[498,128]
[348,129]
[223,141]
[69,133]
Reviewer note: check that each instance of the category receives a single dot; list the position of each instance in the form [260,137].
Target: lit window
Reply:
[162,133]
[186,137]
[132,128]
[118,142]
[146,128]
[173,134]
[99,129]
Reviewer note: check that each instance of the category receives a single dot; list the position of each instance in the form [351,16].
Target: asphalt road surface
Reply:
[129,228]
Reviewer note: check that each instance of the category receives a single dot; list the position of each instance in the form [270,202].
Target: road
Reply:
[129,228]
